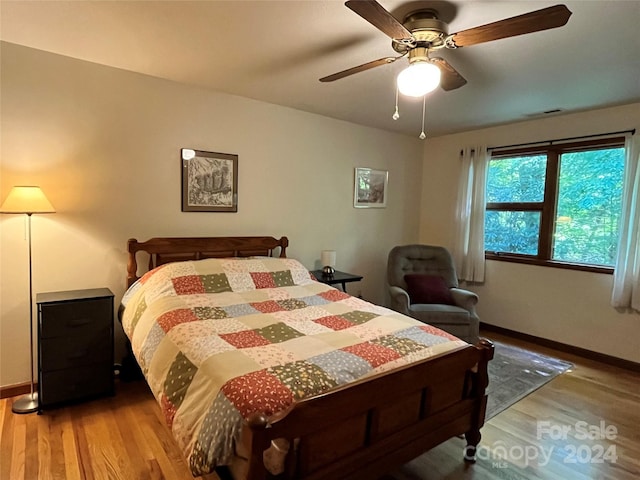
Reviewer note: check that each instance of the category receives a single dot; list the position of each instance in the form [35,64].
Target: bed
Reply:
[263,372]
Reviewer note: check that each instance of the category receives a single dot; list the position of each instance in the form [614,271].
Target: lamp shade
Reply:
[328,258]
[26,199]
[418,79]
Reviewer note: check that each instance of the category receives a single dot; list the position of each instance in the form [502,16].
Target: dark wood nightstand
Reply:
[75,345]
[338,278]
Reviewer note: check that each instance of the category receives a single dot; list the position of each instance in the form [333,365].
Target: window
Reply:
[556,204]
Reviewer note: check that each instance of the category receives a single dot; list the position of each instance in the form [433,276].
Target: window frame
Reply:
[548,206]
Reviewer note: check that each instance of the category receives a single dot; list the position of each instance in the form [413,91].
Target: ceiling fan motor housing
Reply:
[427,30]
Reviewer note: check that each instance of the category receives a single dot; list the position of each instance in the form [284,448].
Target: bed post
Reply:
[481,380]
[255,427]
[284,243]
[132,264]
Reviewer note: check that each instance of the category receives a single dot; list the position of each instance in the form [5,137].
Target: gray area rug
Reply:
[514,373]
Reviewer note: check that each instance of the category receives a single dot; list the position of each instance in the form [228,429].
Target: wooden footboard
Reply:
[365,429]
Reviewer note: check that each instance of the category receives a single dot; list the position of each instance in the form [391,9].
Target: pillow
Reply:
[428,289]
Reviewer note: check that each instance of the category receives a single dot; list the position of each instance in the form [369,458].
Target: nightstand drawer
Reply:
[76,318]
[75,383]
[59,353]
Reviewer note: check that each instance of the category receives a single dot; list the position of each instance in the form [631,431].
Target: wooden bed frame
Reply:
[167,250]
[362,430]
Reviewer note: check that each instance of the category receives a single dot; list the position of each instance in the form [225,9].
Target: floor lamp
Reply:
[27,200]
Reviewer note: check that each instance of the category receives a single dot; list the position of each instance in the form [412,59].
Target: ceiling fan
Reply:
[422,32]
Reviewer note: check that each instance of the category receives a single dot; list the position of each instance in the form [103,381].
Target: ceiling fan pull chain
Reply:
[396,115]
[424,101]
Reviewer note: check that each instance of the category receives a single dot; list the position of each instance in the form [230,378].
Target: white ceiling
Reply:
[276,51]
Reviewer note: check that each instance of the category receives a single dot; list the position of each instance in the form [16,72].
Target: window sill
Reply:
[508,257]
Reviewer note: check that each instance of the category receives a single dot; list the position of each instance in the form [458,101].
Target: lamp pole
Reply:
[28,403]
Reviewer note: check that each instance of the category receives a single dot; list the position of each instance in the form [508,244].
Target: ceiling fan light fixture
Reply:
[418,79]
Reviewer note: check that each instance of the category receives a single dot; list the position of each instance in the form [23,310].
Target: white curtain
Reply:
[626,277]
[468,250]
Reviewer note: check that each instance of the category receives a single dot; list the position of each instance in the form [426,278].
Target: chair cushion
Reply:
[428,289]
[438,314]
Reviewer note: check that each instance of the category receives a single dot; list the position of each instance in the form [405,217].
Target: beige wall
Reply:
[563,305]
[104,145]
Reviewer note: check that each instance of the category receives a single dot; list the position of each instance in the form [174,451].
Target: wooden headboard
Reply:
[166,250]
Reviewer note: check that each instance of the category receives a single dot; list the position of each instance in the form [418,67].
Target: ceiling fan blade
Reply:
[450,79]
[536,21]
[360,68]
[376,15]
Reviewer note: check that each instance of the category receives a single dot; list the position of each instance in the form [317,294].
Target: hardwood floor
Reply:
[124,437]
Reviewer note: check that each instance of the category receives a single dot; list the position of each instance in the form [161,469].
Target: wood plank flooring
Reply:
[124,437]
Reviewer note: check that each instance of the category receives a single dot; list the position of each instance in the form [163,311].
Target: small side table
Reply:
[338,278]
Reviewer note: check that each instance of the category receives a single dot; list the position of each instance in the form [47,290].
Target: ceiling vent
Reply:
[553,111]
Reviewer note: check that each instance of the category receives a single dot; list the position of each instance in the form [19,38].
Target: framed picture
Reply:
[370,189]
[209,181]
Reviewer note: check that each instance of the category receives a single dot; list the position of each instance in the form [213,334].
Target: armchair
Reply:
[423,285]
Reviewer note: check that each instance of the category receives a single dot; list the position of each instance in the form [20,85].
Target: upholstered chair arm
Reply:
[399,300]
[465,299]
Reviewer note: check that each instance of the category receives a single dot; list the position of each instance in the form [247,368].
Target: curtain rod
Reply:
[550,142]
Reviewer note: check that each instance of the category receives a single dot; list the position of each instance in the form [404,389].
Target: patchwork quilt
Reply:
[220,339]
